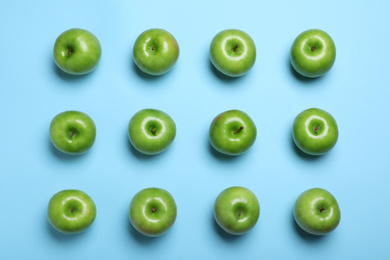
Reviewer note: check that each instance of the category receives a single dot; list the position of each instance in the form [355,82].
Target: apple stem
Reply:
[238,130]
[316,128]
[72,133]
[313,48]
[70,52]
[153,48]
[153,210]
[239,214]
[235,48]
[322,209]
[153,130]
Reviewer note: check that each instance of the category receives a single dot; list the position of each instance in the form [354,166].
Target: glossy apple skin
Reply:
[236,210]
[71,211]
[77,51]
[151,131]
[315,131]
[155,51]
[152,211]
[72,132]
[233,52]
[232,132]
[317,212]
[313,53]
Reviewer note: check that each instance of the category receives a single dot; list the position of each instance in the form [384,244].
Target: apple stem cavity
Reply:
[322,209]
[73,210]
[72,133]
[313,48]
[238,130]
[153,48]
[239,214]
[153,130]
[153,210]
[316,128]
[235,48]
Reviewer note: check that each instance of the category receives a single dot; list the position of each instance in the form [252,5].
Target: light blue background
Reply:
[356,91]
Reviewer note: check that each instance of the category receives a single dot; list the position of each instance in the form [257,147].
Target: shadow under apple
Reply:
[141,156]
[220,156]
[222,77]
[141,74]
[64,156]
[64,238]
[137,236]
[222,233]
[70,77]
[145,76]
[299,77]
[303,234]
[303,155]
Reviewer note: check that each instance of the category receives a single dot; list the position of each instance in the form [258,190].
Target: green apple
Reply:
[71,211]
[155,51]
[315,131]
[151,131]
[152,211]
[317,212]
[232,52]
[72,132]
[313,53]
[232,132]
[236,210]
[77,51]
